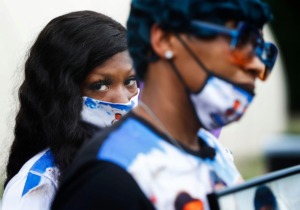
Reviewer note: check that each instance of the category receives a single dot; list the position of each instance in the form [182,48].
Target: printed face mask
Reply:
[104,114]
[220,102]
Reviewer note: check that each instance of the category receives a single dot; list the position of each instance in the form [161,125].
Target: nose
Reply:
[121,95]
[257,67]
[246,58]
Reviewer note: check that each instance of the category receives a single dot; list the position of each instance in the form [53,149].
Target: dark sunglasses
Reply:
[241,36]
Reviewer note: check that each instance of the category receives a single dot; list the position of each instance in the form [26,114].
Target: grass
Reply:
[1,191]
[251,167]
[294,124]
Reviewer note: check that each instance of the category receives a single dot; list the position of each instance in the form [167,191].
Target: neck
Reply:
[169,102]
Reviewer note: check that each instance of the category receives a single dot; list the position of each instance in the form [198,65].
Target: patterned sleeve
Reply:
[19,195]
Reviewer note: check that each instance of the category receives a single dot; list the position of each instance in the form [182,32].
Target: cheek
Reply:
[221,60]
[216,54]
[132,91]
[121,94]
[100,96]
[196,78]
[241,57]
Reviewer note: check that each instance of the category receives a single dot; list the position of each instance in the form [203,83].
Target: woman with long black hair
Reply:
[78,77]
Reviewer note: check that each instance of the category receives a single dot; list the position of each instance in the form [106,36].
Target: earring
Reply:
[169,54]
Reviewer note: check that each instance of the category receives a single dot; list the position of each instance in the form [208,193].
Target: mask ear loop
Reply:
[174,67]
[198,61]
[258,50]
[169,56]
[176,70]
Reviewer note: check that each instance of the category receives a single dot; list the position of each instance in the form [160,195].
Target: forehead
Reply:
[120,62]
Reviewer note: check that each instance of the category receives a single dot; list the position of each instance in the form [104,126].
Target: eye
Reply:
[130,81]
[100,85]
[250,35]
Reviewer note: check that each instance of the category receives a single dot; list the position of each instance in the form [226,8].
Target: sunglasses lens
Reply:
[246,42]
[268,56]
[249,35]
[269,53]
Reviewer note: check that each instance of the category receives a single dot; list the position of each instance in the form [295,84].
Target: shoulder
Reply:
[43,172]
[35,182]
[212,141]
[111,142]
[97,179]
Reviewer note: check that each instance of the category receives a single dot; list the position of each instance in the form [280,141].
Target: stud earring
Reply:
[168,54]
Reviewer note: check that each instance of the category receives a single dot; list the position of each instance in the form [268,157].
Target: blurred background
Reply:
[275,123]
[266,136]
[281,148]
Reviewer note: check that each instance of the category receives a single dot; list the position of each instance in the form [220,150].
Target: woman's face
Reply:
[113,81]
[219,58]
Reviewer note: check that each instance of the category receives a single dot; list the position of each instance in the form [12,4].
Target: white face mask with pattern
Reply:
[220,102]
[104,114]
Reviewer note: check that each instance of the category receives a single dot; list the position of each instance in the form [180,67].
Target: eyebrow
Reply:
[111,74]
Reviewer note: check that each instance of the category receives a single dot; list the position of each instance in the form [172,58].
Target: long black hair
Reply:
[65,51]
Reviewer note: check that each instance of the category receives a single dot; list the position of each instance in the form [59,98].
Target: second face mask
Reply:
[104,114]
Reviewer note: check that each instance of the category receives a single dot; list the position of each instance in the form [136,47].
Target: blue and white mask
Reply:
[104,114]
[220,102]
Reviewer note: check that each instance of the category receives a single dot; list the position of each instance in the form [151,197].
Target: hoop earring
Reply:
[168,54]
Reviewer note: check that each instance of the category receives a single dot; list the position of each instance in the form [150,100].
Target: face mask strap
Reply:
[174,67]
[194,56]
[176,70]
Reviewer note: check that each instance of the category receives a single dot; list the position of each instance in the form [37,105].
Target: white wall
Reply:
[20,23]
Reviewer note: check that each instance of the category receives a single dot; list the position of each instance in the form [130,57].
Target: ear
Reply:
[162,42]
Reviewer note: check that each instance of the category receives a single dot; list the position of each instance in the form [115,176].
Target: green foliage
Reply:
[294,124]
